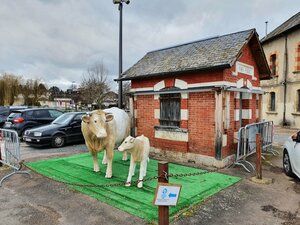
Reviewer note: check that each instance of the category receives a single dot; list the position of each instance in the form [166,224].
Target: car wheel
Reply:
[58,141]
[287,164]
[23,133]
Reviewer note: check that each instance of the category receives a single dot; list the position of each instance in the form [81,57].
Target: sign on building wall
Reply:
[245,69]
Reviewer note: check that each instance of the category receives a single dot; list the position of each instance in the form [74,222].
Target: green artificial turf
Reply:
[138,202]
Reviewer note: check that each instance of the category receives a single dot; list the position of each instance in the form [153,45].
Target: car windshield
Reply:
[63,119]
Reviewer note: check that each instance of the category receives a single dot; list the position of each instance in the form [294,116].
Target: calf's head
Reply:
[127,144]
[96,122]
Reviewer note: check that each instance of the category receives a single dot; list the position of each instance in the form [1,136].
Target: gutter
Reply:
[284,122]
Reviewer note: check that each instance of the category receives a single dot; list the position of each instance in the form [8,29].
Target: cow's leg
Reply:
[124,158]
[95,160]
[131,172]
[104,161]
[109,158]
[143,167]
[146,164]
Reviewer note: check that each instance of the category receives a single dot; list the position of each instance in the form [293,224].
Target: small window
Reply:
[170,109]
[273,64]
[272,101]
[298,100]
[55,113]
[41,114]
[297,65]
[78,117]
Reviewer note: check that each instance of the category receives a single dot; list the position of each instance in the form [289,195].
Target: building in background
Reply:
[191,99]
[281,103]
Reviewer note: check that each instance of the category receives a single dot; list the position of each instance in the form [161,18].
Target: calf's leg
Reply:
[143,168]
[124,158]
[131,172]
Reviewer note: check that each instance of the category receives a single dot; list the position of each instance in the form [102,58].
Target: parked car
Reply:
[6,110]
[65,129]
[291,156]
[22,120]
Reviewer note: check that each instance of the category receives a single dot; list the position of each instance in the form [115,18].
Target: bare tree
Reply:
[94,85]
[9,88]
[32,90]
[125,90]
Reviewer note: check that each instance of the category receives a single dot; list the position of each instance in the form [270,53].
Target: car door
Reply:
[42,116]
[74,132]
[295,158]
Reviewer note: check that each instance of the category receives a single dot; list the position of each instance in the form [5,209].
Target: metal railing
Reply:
[10,152]
[247,142]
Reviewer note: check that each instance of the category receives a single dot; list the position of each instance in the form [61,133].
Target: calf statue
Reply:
[139,148]
[102,130]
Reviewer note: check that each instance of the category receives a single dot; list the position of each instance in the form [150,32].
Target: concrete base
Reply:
[262,181]
[196,158]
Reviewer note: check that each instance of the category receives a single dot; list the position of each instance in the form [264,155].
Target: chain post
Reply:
[258,157]
[163,211]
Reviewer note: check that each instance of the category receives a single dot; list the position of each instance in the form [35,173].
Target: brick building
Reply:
[191,99]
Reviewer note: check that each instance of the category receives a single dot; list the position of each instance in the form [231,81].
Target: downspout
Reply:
[284,122]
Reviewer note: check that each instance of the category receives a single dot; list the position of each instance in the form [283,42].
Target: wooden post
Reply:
[163,211]
[258,157]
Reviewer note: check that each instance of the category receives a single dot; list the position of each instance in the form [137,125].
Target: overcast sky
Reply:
[57,40]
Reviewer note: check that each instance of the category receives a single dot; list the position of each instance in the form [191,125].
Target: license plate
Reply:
[7,124]
[27,139]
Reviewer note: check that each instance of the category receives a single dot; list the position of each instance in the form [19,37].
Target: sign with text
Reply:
[167,194]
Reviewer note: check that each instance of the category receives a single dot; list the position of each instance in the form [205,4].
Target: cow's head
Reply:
[127,144]
[96,121]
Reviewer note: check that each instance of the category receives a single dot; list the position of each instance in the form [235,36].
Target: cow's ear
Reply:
[131,140]
[85,118]
[109,117]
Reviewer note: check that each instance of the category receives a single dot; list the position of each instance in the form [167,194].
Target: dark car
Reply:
[65,129]
[6,110]
[22,120]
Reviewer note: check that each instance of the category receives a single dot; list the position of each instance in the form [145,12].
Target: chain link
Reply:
[165,175]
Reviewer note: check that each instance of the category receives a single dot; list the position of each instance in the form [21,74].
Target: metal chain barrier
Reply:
[165,175]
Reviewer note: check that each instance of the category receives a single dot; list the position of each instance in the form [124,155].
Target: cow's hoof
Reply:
[96,170]
[104,162]
[108,176]
[140,185]
[128,184]
[124,158]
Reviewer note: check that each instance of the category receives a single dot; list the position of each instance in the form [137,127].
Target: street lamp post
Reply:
[120,3]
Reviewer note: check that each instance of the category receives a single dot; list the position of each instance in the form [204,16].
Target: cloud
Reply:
[56,41]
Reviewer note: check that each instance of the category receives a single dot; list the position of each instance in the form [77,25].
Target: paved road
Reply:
[31,153]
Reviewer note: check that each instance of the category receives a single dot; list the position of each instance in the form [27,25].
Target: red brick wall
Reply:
[201,124]
[190,78]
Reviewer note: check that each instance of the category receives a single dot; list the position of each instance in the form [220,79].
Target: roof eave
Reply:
[268,39]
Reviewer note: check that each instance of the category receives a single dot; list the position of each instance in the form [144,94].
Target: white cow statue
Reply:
[102,130]
[139,148]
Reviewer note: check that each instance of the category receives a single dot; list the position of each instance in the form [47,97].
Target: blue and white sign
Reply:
[167,194]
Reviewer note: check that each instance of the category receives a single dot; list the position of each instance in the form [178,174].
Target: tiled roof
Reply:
[215,52]
[291,23]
